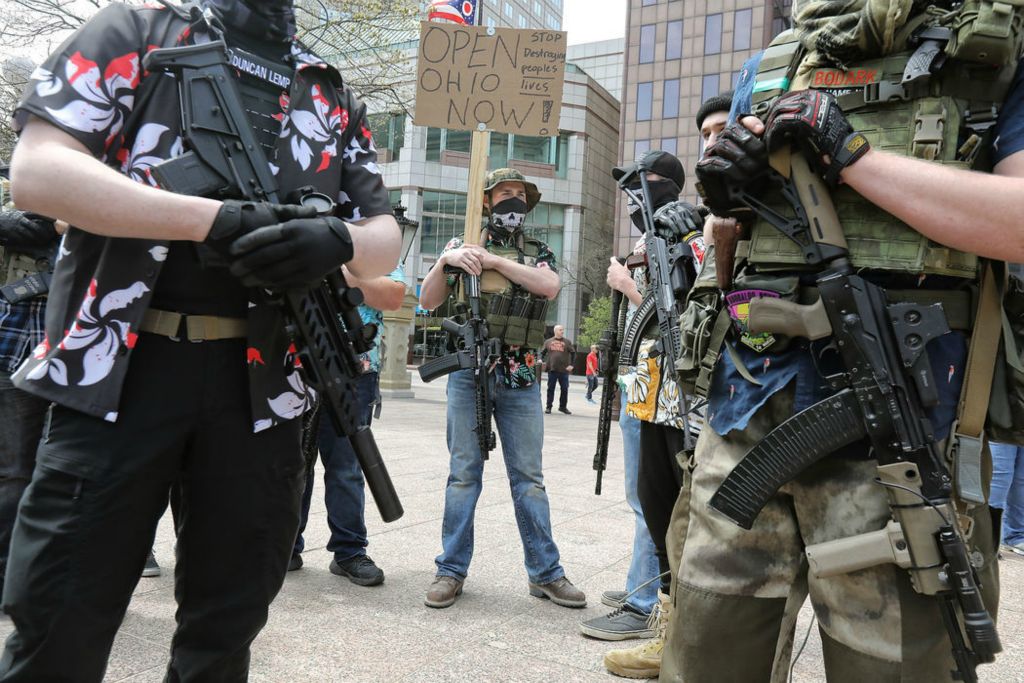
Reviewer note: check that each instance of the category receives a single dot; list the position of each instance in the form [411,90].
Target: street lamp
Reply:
[408,228]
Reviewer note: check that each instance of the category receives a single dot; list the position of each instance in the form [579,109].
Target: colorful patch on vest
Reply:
[739,311]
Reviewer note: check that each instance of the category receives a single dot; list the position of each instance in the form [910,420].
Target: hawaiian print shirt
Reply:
[371,316]
[101,286]
[519,362]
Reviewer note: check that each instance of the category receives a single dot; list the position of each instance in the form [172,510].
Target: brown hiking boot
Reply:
[561,592]
[443,591]
[643,661]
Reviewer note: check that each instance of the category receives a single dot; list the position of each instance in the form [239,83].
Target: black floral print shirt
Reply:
[101,286]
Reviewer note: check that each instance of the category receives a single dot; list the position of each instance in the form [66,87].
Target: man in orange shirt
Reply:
[591,373]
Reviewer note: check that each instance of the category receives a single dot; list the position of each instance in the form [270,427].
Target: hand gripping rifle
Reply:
[323,322]
[474,350]
[608,366]
[882,395]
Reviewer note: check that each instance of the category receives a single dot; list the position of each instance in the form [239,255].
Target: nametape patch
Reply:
[265,70]
[830,78]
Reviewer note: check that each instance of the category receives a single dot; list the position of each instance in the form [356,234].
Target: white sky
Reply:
[590,20]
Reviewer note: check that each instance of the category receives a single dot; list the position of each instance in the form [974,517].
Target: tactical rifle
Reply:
[608,366]
[669,277]
[225,160]
[474,350]
[883,396]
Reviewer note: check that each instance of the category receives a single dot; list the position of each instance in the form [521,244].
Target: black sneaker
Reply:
[564,410]
[152,568]
[547,410]
[295,562]
[360,570]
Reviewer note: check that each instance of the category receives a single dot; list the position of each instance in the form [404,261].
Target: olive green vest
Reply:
[514,315]
[945,118]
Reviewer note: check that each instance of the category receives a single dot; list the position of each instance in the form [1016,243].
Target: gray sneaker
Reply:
[151,568]
[1015,548]
[561,592]
[625,623]
[614,599]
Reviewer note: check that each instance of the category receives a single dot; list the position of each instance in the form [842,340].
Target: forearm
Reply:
[974,212]
[539,281]
[376,243]
[434,289]
[381,293]
[54,175]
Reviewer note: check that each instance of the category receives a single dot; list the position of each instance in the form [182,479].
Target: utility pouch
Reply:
[518,321]
[702,329]
[988,32]
[538,323]
[748,286]
[498,308]
[29,287]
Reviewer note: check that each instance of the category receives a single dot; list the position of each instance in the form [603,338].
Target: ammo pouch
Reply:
[1005,422]
[23,276]
[517,318]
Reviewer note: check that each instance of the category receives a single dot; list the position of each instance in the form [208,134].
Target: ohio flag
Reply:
[458,11]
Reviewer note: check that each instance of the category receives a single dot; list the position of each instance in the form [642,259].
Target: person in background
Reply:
[1007,494]
[344,490]
[557,355]
[592,377]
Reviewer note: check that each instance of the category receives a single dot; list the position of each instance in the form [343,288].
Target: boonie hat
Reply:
[656,161]
[511,175]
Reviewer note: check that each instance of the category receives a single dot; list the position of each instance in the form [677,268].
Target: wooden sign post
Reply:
[486,79]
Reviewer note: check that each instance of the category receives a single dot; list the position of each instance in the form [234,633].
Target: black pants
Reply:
[563,382]
[658,486]
[87,520]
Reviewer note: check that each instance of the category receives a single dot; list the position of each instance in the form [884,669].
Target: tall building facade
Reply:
[521,13]
[601,59]
[678,53]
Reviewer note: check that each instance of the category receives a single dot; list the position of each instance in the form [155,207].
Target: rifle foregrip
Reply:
[785,452]
[769,314]
[376,473]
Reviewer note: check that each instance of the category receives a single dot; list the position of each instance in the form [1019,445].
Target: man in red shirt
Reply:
[591,373]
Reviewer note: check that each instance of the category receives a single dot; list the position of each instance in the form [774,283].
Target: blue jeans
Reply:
[344,492]
[644,565]
[520,424]
[1007,492]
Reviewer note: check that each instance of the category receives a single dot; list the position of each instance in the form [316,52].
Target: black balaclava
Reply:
[272,20]
[662,192]
[507,217]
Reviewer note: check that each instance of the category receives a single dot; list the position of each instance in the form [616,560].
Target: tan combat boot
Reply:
[643,661]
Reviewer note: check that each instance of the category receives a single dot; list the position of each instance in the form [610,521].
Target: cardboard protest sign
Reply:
[509,80]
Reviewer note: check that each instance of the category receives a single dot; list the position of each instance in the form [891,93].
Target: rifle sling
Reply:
[967,438]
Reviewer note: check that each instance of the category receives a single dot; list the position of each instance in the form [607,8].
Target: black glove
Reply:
[237,218]
[736,163]
[291,255]
[813,120]
[20,229]
[676,220]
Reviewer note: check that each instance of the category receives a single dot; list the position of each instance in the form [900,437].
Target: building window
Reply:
[553,23]
[537,9]
[508,10]
[781,11]
[553,151]
[522,21]
[674,40]
[644,101]
[741,29]
[710,86]
[712,34]
[670,103]
[640,147]
[647,34]
[670,145]
[388,134]
[443,217]
[649,2]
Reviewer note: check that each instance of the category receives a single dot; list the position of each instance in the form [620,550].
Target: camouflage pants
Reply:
[737,592]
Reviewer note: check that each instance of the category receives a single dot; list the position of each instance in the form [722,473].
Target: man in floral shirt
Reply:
[137,408]
[530,267]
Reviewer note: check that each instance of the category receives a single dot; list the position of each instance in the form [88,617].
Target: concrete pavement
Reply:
[323,628]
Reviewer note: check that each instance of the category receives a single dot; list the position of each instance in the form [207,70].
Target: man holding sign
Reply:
[518,278]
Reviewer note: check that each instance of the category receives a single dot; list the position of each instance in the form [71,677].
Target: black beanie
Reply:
[721,102]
